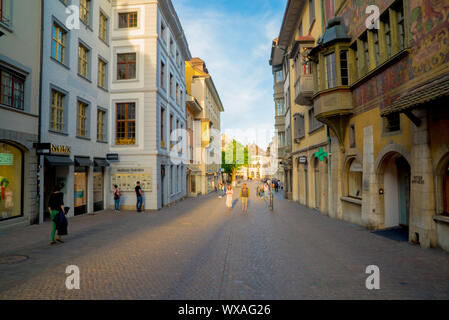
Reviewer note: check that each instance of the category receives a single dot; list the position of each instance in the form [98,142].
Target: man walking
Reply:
[139,197]
[244,194]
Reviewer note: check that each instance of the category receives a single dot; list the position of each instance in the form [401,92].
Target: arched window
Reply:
[11,173]
[446,190]
[355,173]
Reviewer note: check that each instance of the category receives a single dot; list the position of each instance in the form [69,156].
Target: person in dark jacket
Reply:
[55,206]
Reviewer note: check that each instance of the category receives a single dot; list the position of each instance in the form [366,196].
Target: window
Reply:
[125,133]
[101,120]
[101,73]
[5,11]
[386,22]
[280,109]
[58,43]
[356,61]
[313,122]
[366,61]
[163,32]
[82,119]
[85,11]
[376,46]
[57,111]
[11,173]
[299,126]
[103,29]
[83,61]
[177,93]
[401,28]
[311,11]
[172,46]
[279,76]
[171,85]
[12,90]
[127,20]
[344,68]
[318,76]
[392,123]
[162,75]
[162,127]
[352,136]
[126,66]
[355,179]
[330,70]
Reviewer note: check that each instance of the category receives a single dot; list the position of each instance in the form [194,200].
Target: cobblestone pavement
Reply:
[197,250]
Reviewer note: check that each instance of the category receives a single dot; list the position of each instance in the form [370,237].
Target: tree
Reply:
[234,157]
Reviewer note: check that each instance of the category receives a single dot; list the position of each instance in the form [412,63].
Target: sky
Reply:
[234,38]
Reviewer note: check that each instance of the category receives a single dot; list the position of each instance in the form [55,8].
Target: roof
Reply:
[429,91]
[290,20]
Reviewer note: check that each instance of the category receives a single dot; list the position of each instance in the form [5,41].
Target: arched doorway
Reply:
[396,182]
[317,182]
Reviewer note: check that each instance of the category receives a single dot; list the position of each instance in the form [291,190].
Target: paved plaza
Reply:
[196,249]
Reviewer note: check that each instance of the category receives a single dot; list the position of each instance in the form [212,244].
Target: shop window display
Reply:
[10,181]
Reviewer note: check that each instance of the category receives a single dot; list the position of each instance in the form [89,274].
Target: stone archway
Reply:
[393,177]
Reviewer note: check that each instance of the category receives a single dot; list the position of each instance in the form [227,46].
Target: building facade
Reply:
[309,173]
[75,104]
[206,128]
[382,88]
[148,102]
[19,110]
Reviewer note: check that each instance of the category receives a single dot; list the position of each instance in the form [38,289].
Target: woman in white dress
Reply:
[229,193]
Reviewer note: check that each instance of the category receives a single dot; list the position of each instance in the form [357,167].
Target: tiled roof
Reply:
[432,90]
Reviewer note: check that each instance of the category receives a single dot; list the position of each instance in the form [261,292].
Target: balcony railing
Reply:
[304,90]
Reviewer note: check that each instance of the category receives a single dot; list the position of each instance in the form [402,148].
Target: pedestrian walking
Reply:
[266,189]
[229,193]
[56,206]
[244,195]
[261,191]
[117,194]
[139,197]
[220,190]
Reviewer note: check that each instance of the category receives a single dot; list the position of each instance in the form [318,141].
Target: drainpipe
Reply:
[329,171]
[39,162]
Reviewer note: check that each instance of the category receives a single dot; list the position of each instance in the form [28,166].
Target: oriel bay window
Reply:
[330,70]
[125,131]
[126,66]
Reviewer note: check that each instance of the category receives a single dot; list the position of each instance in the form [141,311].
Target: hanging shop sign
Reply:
[302,159]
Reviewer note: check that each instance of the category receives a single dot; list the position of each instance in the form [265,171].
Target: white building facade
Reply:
[147,102]
[75,103]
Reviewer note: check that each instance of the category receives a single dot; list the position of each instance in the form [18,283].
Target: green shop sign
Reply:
[6,159]
[321,154]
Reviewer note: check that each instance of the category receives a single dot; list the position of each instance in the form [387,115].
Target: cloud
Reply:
[234,38]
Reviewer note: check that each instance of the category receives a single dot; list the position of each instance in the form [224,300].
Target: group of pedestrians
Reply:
[139,197]
[226,190]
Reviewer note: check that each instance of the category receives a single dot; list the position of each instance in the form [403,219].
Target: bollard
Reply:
[271,201]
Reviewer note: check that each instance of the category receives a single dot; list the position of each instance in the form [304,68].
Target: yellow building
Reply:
[206,143]
[308,174]
[382,90]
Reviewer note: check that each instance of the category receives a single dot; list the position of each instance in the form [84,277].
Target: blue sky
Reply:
[234,38]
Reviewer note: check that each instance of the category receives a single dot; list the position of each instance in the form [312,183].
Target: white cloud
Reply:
[236,49]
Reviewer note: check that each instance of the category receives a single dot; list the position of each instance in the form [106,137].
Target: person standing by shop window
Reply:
[117,195]
[55,205]
[139,197]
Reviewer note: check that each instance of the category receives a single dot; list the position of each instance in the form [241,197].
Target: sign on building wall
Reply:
[126,179]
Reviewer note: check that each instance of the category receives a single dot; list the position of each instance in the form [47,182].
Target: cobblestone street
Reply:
[198,250]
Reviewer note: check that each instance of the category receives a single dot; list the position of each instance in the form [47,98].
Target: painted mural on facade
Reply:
[429,31]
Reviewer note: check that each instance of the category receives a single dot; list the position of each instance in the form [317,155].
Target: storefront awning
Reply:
[101,162]
[83,162]
[58,161]
[432,90]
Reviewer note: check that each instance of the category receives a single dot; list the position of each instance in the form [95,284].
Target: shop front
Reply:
[57,165]
[11,181]
[98,183]
[81,176]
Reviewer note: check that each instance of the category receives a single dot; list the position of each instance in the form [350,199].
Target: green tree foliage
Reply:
[234,157]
